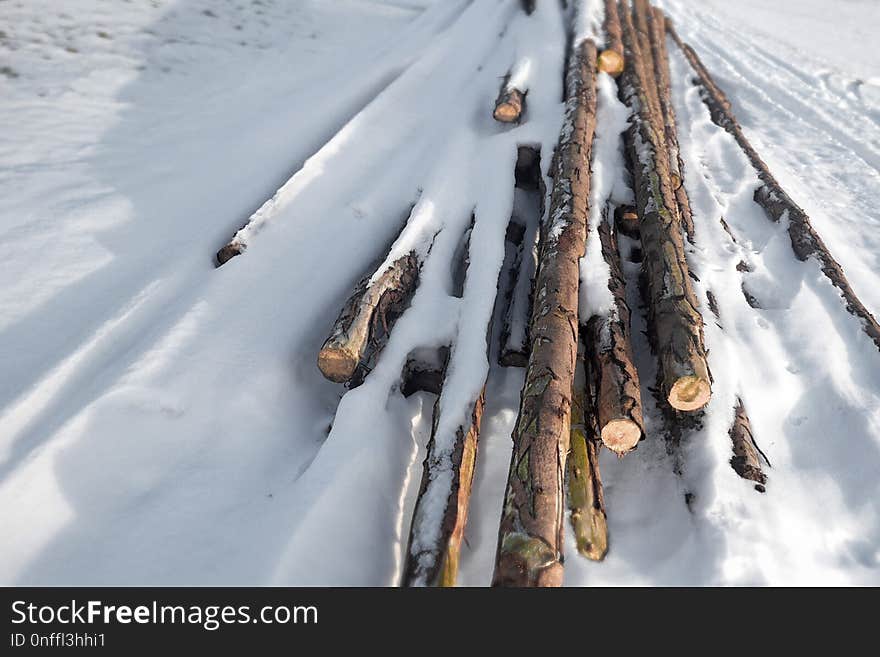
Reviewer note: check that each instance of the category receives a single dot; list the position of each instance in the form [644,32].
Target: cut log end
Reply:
[690,393]
[508,111]
[620,436]
[228,252]
[337,364]
[611,62]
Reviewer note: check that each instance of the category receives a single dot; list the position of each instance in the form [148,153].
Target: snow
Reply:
[163,421]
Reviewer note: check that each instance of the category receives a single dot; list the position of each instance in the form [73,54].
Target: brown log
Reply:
[367,314]
[618,401]
[675,322]
[424,371]
[530,535]
[745,459]
[805,241]
[437,564]
[611,58]
[509,104]
[228,252]
[586,500]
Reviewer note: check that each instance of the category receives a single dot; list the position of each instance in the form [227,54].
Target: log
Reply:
[618,401]
[777,204]
[435,562]
[530,534]
[529,203]
[424,371]
[657,25]
[228,252]
[369,312]
[586,501]
[509,104]
[626,220]
[675,323]
[611,59]
[745,459]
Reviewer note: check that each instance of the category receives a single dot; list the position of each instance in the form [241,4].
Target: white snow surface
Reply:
[164,422]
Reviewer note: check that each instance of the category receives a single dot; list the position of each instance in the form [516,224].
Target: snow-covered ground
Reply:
[163,421]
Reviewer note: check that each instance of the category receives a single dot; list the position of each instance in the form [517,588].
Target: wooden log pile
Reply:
[582,389]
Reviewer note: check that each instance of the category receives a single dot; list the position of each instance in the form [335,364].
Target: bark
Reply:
[228,252]
[509,104]
[611,58]
[436,564]
[530,534]
[778,205]
[675,323]
[745,459]
[618,400]
[586,500]
[366,317]
[657,24]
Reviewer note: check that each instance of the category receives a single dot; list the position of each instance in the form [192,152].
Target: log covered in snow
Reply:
[745,460]
[611,58]
[435,542]
[368,313]
[618,399]
[530,535]
[675,323]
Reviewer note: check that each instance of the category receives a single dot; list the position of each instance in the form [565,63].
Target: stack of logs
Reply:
[571,407]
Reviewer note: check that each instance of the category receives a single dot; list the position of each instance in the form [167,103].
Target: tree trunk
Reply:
[435,562]
[675,323]
[745,459]
[618,400]
[611,58]
[586,500]
[805,241]
[366,316]
[530,534]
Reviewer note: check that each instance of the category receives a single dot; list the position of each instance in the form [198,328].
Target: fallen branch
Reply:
[375,304]
[530,534]
[618,399]
[745,459]
[675,322]
[778,205]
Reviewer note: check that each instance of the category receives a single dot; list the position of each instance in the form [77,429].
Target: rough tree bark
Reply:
[373,306]
[530,534]
[586,501]
[611,58]
[675,323]
[435,563]
[745,459]
[805,241]
[618,400]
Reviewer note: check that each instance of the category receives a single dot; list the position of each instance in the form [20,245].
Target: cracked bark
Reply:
[530,534]
[618,399]
[805,241]
[675,323]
